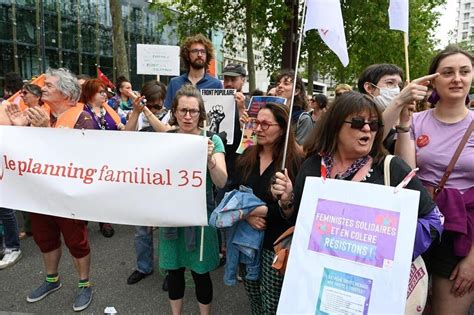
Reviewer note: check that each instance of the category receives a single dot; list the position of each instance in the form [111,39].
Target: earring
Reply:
[434,97]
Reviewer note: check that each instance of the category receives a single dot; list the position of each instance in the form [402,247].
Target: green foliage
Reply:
[369,39]
[203,16]
[366,24]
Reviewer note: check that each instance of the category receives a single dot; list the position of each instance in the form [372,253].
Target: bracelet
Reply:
[400,129]
[288,204]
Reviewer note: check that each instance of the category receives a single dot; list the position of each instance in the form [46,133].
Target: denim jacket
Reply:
[244,243]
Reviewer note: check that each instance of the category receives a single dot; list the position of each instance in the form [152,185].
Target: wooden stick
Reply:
[407,63]
[201,249]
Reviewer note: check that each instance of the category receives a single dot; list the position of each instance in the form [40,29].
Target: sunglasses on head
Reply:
[359,123]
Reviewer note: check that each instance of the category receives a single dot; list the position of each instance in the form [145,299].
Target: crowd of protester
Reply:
[350,137]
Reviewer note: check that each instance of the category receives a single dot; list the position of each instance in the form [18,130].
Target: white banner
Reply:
[158,59]
[351,251]
[220,108]
[153,179]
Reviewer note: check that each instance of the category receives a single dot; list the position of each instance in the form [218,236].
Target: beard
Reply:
[197,64]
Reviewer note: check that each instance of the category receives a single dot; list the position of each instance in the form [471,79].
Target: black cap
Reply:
[234,70]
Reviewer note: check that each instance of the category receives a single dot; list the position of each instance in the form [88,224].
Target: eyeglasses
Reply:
[390,84]
[192,112]
[103,92]
[359,123]
[198,51]
[264,125]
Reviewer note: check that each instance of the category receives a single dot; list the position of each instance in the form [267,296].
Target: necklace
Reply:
[328,162]
[99,118]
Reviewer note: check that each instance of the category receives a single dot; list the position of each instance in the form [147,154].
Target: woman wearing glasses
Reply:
[31,95]
[255,169]
[180,247]
[146,118]
[148,110]
[94,97]
[347,144]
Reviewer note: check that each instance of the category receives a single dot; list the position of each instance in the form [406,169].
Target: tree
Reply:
[120,53]
[246,24]
[369,39]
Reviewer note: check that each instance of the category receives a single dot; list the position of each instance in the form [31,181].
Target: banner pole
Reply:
[288,127]
[201,249]
[407,63]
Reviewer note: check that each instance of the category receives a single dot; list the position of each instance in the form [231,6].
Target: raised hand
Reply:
[17,117]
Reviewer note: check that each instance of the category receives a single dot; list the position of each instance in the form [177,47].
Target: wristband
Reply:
[287,205]
[400,129]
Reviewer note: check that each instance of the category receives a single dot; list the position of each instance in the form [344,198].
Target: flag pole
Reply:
[288,127]
[407,63]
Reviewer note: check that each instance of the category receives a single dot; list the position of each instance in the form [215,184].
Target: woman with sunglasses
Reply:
[255,168]
[146,118]
[429,140]
[31,95]
[347,144]
[148,110]
[180,247]
[94,97]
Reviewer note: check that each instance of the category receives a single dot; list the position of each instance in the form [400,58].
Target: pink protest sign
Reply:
[354,232]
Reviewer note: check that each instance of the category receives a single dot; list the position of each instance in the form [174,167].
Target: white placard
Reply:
[154,179]
[158,59]
[351,250]
[220,109]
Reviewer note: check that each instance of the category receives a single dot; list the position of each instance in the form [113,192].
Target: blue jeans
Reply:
[10,228]
[144,248]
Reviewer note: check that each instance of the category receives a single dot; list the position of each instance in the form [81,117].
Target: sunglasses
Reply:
[359,123]
[154,106]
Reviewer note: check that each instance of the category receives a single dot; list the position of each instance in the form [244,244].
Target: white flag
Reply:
[326,17]
[398,15]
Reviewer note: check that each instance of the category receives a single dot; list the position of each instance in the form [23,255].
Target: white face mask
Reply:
[386,97]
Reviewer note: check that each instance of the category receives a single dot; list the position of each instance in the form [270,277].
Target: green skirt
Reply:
[173,254]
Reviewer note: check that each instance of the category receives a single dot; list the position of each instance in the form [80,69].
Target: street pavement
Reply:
[113,260]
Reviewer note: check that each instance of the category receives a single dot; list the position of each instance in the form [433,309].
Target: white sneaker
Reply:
[10,258]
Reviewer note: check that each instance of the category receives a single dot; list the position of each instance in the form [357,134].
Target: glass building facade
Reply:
[77,35]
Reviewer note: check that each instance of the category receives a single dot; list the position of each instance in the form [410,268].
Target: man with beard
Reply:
[196,53]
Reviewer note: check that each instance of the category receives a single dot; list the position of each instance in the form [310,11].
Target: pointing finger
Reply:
[426,79]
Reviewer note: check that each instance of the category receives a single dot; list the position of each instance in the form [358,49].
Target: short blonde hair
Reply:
[342,88]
